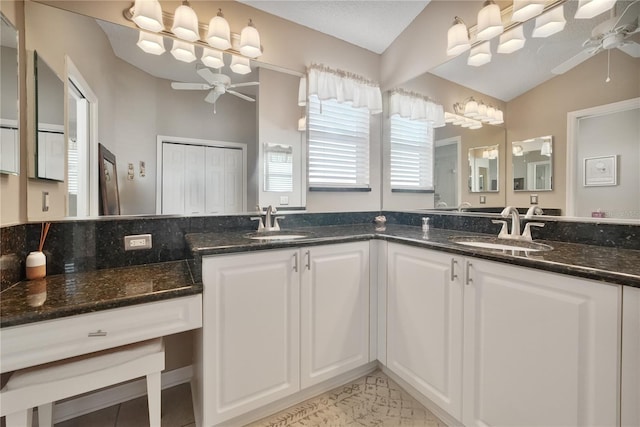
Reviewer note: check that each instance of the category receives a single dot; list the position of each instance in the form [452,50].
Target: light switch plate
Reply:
[136,242]
[483,200]
[533,199]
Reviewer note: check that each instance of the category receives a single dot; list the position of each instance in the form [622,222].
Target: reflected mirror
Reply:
[50,145]
[483,169]
[9,109]
[532,164]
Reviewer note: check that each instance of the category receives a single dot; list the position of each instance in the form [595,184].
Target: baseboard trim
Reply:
[104,398]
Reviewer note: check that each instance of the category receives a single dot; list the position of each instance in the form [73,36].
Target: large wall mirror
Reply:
[483,169]
[131,101]
[9,100]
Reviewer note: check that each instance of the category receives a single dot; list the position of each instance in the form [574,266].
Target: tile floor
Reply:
[372,400]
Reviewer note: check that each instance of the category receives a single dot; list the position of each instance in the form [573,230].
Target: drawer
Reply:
[47,341]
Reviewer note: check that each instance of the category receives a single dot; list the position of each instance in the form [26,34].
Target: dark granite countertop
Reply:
[70,294]
[619,266]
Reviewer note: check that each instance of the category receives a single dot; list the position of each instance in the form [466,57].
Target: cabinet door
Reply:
[424,323]
[630,415]
[250,332]
[334,310]
[541,349]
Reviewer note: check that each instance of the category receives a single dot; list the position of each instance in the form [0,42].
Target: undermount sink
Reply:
[501,244]
[278,235]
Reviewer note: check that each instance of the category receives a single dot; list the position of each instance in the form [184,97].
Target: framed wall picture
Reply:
[600,171]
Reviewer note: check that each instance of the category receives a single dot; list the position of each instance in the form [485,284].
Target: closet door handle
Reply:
[295,262]
[98,333]
[308,266]
[469,279]
[454,276]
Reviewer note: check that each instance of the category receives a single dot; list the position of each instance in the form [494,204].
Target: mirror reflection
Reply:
[483,169]
[9,126]
[532,165]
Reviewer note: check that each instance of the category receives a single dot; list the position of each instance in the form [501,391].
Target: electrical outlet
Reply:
[533,199]
[483,200]
[284,200]
[136,242]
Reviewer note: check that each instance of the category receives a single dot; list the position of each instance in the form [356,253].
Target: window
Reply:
[338,145]
[411,154]
[278,168]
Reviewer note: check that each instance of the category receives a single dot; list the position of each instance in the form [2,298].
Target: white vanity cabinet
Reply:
[277,321]
[424,323]
[630,414]
[496,344]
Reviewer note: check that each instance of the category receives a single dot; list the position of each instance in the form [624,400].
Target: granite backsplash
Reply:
[85,245]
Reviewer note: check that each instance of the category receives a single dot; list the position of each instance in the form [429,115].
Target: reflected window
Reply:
[411,154]
[278,168]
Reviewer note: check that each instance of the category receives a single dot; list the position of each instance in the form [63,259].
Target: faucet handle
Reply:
[504,231]
[276,226]
[527,229]
[260,223]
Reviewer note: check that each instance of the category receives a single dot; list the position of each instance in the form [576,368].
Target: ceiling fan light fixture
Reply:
[480,55]
[240,65]
[183,51]
[457,38]
[212,58]
[587,9]
[489,21]
[550,23]
[523,10]
[147,14]
[512,40]
[151,43]
[185,23]
[219,33]
[250,41]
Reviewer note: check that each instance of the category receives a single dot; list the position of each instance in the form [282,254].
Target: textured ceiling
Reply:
[373,25]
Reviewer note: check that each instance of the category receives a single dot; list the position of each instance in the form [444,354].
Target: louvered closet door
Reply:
[214,180]
[173,178]
[194,180]
[233,180]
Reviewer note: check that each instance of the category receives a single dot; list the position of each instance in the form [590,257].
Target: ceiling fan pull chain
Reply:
[608,65]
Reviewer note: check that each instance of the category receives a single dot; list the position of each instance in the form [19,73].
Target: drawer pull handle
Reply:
[469,279]
[98,333]
[454,276]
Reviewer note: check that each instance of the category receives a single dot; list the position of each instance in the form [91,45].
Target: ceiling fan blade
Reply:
[244,84]
[241,96]
[630,48]
[190,86]
[206,74]
[572,62]
[212,97]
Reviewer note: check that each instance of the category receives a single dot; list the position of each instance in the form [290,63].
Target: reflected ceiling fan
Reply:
[613,33]
[216,83]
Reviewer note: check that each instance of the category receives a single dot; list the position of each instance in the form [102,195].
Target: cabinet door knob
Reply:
[98,333]
[454,276]
[295,262]
[469,279]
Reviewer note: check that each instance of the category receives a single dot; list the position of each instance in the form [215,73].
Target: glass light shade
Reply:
[183,51]
[587,9]
[517,150]
[240,65]
[512,40]
[147,14]
[491,115]
[523,10]
[499,118]
[482,112]
[471,108]
[457,38]
[302,123]
[151,43]
[185,23]
[485,154]
[550,23]
[545,150]
[476,125]
[219,33]
[489,21]
[250,41]
[212,58]
[302,92]
[480,55]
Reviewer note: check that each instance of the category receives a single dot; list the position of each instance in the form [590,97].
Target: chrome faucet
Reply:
[463,205]
[515,225]
[268,224]
[533,210]
[515,221]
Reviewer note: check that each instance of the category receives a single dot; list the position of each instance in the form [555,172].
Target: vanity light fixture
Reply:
[151,43]
[587,9]
[512,40]
[183,51]
[250,41]
[148,15]
[212,58]
[517,150]
[240,65]
[471,108]
[219,33]
[489,21]
[550,23]
[523,10]
[458,120]
[482,111]
[458,38]
[479,111]
[185,23]
[480,55]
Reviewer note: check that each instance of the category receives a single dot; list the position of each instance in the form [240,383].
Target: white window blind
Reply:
[73,167]
[338,145]
[278,168]
[411,154]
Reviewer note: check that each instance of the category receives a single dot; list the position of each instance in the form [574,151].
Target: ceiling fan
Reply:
[216,83]
[615,32]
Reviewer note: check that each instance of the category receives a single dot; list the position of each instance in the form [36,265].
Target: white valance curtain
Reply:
[413,106]
[343,87]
